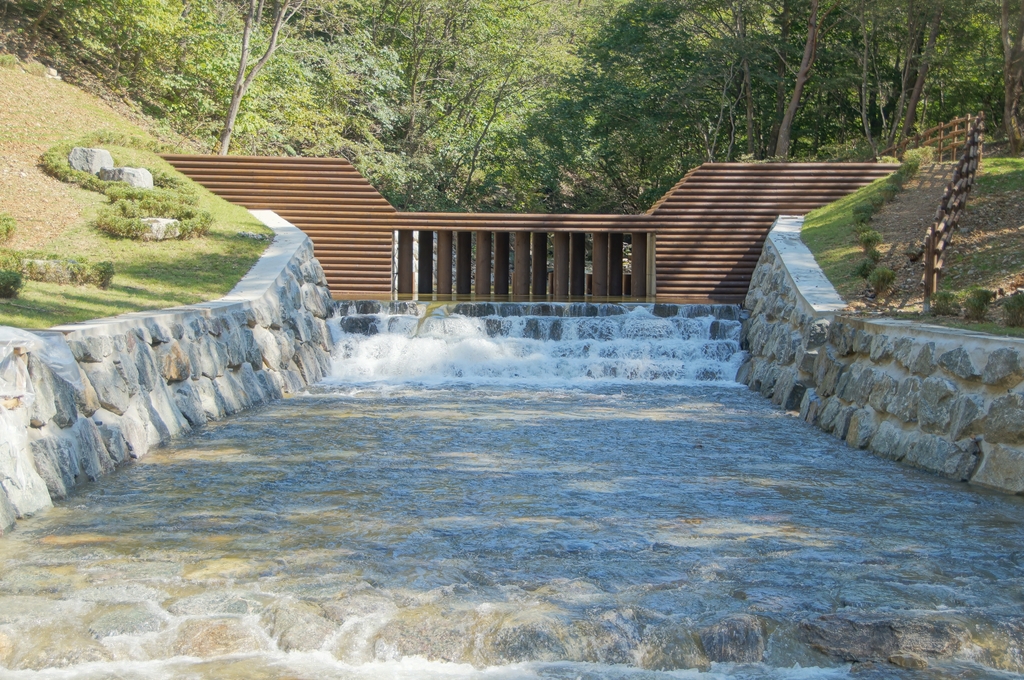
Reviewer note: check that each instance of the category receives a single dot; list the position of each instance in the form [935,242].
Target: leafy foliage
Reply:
[517,105]
[976,303]
[11,284]
[945,303]
[7,227]
[881,280]
[1013,310]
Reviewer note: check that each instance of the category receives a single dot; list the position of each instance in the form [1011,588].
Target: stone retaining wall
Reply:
[138,380]
[940,399]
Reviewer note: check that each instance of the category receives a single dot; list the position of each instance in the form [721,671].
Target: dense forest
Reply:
[540,105]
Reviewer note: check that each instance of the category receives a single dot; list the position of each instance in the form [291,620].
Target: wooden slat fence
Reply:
[946,138]
[722,212]
[954,202]
[708,229]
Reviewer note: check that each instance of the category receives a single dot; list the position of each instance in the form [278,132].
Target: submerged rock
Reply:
[216,637]
[878,637]
[739,638]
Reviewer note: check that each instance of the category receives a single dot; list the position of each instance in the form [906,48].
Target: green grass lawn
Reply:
[148,275]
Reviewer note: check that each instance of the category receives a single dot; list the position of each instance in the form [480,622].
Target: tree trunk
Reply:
[780,88]
[283,11]
[865,55]
[802,76]
[922,75]
[1013,72]
[748,94]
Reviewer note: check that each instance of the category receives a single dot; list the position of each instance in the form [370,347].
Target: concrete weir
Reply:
[941,399]
[91,396]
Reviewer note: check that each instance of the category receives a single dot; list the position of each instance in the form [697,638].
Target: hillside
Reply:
[53,217]
[987,250]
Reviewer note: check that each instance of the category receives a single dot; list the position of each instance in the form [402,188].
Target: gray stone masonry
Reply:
[145,378]
[940,399]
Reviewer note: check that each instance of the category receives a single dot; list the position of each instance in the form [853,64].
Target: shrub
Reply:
[888,159]
[1013,310]
[889,190]
[7,226]
[8,61]
[10,260]
[869,239]
[35,68]
[873,255]
[55,163]
[916,157]
[881,280]
[976,303]
[11,284]
[862,213]
[944,303]
[864,269]
[68,272]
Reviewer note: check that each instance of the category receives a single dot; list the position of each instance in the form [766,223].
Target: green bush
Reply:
[55,163]
[976,303]
[869,239]
[889,190]
[944,303]
[864,269]
[888,159]
[862,213]
[67,272]
[11,284]
[873,255]
[8,61]
[7,226]
[10,260]
[1013,310]
[919,156]
[881,280]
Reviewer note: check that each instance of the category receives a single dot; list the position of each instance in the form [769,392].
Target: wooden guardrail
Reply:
[954,201]
[946,138]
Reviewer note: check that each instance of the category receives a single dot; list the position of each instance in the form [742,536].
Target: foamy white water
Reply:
[694,345]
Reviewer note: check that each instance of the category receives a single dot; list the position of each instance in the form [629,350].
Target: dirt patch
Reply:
[987,250]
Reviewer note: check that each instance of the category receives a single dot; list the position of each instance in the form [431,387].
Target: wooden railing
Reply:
[954,201]
[947,139]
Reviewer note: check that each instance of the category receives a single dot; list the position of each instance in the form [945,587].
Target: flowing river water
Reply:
[518,495]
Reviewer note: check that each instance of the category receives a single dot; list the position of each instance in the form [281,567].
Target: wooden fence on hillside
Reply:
[954,201]
[946,138]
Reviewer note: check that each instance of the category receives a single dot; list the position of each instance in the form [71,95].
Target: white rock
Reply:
[93,161]
[160,228]
[140,178]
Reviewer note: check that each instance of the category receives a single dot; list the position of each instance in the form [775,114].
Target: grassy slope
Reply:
[828,233]
[36,113]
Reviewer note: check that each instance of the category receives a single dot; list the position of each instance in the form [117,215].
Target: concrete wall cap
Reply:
[814,291]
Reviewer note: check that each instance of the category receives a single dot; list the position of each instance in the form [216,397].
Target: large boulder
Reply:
[863,636]
[92,161]
[140,178]
[161,228]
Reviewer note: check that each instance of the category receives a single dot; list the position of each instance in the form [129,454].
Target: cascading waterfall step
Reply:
[538,342]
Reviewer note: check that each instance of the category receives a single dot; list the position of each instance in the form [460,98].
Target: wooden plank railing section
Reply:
[946,138]
[954,202]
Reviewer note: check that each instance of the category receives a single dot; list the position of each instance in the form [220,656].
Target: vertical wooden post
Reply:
[577,263]
[483,263]
[404,262]
[540,263]
[426,276]
[560,286]
[521,275]
[501,263]
[639,278]
[444,263]
[600,264]
[615,265]
[463,262]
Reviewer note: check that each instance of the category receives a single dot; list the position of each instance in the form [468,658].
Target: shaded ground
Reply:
[52,217]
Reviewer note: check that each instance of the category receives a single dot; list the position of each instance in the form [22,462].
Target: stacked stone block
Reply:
[946,401]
